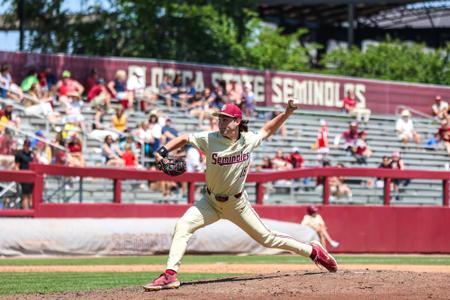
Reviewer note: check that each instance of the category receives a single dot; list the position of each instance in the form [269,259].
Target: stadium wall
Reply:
[360,229]
[271,87]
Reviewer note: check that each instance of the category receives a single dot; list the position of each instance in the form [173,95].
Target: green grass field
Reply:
[26,282]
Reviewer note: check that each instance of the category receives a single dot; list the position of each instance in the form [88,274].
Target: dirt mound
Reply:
[354,284]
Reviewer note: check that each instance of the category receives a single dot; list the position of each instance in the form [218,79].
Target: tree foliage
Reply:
[393,60]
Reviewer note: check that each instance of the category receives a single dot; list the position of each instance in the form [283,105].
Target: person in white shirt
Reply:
[405,128]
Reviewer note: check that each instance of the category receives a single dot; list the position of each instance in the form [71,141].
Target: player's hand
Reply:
[291,107]
[158,157]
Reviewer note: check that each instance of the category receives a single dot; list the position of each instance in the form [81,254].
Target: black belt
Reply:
[224,198]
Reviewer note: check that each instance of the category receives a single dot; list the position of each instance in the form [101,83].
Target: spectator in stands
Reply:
[42,152]
[75,156]
[8,117]
[118,88]
[214,102]
[355,108]
[443,135]
[99,129]
[321,144]
[91,80]
[8,89]
[68,86]
[29,80]
[99,96]
[248,100]
[23,158]
[266,164]
[111,153]
[8,148]
[295,158]
[179,93]
[198,107]
[168,132]
[398,164]
[46,80]
[361,152]
[129,157]
[119,120]
[146,139]
[234,93]
[440,108]
[314,220]
[59,156]
[385,164]
[280,162]
[38,104]
[135,87]
[73,109]
[350,137]
[405,128]
[156,131]
[166,90]
[338,187]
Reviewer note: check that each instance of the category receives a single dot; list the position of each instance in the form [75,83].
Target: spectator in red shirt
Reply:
[443,135]
[67,86]
[279,161]
[321,145]
[350,137]
[99,96]
[91,80]
[75,157]
[295,159]
[128,157]
[361,151]
[354,107]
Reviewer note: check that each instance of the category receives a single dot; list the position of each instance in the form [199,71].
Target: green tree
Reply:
[393,60]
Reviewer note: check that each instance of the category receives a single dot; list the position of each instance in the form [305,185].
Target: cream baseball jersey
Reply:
[227,162]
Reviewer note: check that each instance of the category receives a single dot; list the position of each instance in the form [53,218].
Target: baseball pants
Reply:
[240,212]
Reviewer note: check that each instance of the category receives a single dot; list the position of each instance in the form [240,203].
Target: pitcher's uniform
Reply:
[227,166]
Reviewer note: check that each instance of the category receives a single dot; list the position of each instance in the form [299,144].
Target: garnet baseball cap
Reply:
[229,110]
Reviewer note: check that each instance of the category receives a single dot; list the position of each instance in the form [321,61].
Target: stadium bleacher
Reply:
[302,131]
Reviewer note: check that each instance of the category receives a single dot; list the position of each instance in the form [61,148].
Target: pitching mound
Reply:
[354,284]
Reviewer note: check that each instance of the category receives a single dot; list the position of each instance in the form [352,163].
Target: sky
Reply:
[10,40]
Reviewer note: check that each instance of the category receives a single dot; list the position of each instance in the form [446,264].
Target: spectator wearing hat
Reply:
[67,87]
[440,108]
[405,128]
[136,89]
[315,221]
[350,137]
[23,159]
[75,156]
[355,108]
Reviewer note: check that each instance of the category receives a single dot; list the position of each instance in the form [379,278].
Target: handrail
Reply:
[32,135]
[399,108]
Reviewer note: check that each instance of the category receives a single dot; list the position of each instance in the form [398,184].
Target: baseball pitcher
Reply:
[227,154]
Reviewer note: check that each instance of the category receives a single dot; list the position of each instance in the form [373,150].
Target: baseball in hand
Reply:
[292,105]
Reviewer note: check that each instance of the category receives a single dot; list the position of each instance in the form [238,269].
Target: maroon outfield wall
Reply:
[313,91]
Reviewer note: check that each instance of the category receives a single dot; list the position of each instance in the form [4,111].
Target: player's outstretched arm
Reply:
[272,126]
[172,145]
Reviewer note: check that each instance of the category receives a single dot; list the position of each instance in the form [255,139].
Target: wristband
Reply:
[163,151]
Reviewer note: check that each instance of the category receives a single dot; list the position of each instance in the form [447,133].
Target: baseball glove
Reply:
[172,166]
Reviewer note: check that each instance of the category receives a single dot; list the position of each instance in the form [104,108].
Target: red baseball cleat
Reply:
[164,281]
[322,258]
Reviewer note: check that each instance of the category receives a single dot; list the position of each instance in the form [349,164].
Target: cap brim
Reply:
[217,114]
